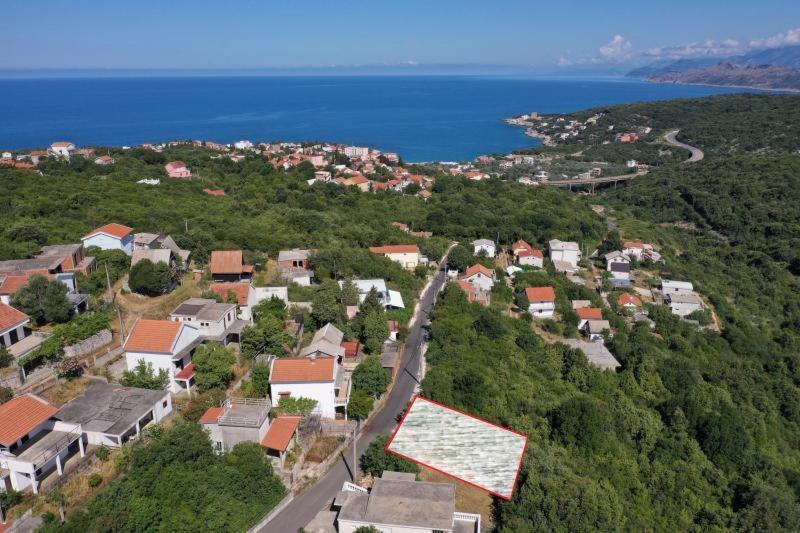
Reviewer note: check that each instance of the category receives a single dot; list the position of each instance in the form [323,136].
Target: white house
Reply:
[33,443]
[62,149]
[484,246]
[167,345]
[683,303]
[676,287]
[390,299]
[213,321]
[480,276]
[635,250]
[594,329]
[397,503]
[110,237]
[407,255]
[567,252]
[243,145]
[312,377]
[531,257]
[619,265]
[12,325]
[541,301]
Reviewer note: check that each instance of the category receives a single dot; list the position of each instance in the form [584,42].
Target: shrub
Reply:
[95,480]
[102,453]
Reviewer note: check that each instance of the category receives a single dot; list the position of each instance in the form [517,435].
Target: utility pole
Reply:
[355,463]
[186,224]
[108,280]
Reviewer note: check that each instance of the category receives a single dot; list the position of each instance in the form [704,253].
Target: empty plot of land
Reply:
[472,450]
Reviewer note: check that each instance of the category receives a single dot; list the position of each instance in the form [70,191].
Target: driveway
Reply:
[305,506]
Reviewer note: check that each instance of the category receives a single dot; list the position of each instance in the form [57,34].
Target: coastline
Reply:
[718,86]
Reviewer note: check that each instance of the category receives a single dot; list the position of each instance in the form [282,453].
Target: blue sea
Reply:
[423,118]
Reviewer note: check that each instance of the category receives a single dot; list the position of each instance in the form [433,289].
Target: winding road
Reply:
[697,153]
[305,506]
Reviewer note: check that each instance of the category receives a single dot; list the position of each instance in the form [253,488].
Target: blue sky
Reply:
[198,34]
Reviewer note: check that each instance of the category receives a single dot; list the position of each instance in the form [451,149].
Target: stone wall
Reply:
[87,346]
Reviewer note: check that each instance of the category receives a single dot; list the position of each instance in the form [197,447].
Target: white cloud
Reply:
[786,38]
[564,62]
[619,49]
[707,48]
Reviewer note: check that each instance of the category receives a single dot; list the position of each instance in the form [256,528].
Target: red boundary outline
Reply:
[471,484]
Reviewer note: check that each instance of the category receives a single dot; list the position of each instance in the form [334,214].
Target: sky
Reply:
[560,35]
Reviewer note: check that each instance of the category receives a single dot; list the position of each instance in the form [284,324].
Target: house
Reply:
[596,353]
[297,275]
[616,257]
[156,255]
[214,321]
[281,436]
[11,281]
[62,149]
[319,378]
[407,255]
[425,194]
[104,160]
[390,299]
[110,415]
[594,329]
[167,345]
[243,145]
[74,258]
[177,169]
[13,328]
[683,303]
[676,287]
[237,420]
[588,313]
[532,257]
[110,237]
[397,503]
[481,276]
[566,252]
[327,342]
[541,301]
[243,293]
[151,241]
[635,250]
[33,443]
[629,301]
[475,293]
[294,258]
[483,246]
[619,265]
[228,265]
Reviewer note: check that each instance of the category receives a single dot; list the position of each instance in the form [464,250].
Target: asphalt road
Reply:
[306,506]
[697,153]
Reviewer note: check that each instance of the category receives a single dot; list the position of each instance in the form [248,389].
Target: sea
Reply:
[423,118]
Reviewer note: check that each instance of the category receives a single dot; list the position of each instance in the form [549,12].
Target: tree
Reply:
[43,300]
[144,377]
[326,304]
[367,529]
[5,357]
[370,377]
[376,459]
[214,365]
[258,385]
[150,279]
[375,330]
[371,303]
[349,292]
[581,421]
[360,405]
[459,258]
[272,306]
[288,405]
[6,394]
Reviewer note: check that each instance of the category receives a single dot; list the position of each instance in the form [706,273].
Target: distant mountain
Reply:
[730,75]
[773,68]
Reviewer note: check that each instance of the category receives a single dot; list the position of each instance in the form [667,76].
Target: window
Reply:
[218,446]
[164,404]
[284,394]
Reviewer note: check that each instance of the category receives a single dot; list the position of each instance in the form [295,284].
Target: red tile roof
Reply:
[11,284]
[350,348]
[10,317]
[156,336]
[241,290]
[590,313]
[520,245]
[395,249]
[303,370]
[227,262]
[174,165]
[469,289]
[115,230]
[531,252]
[280,433]
[476,268]
[211,416]
[19,416]
[540,294]
[629,299]
[632,244]
[187,372]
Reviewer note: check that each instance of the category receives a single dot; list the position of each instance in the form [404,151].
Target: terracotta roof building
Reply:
[21,415]
[228,265]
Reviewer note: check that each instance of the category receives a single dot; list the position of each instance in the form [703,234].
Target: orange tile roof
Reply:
[395,249]
[468,288]
[174,165]
[186,372]
[425,193]
[11,284]
[10,317]
[211,416]
[303,370]
[350,348]
[214,192]
[632,244]
[629,299]
[227,262]
[540,294]
[531,252]
[156,336]
[241,290]
[19,416]
[590,313]
[115,230]
[476,268]
[280,433]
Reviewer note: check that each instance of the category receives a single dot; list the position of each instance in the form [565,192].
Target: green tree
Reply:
[214,365]
[43,300]
[259,381]
[375,330]
[150,279]
[349,292]
[288,405]
[376,459]
[460,258]
[370,377]
[360,405]
[581,421]
[271,306]
[327,305]
[5,357]
[371,304]
[144,377]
